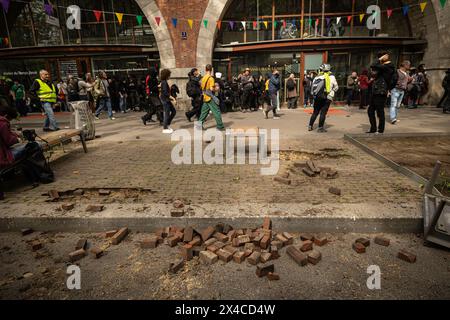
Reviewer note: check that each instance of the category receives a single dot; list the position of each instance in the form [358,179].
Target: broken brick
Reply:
[227,228]
[196,251]
[282,180]
[306,245]
[238,257]
[224,255]
[96,252]
[95,208]
[257,239]
[264,269]
[320,241]
[247,253]
[230,249]
[382,241]
[406,256]
[196,241]
[243,239]
[53,194]
[119,236]
[314,257]
[308,172]
[335,191]
[220,236]
[177,213]
[173,240]
[81,244]
[265,242]
[208,257]
[150,242]
[307,236]
[289,237]
[178,204]
[77,255]
[78,192]
[36,245]
[188,234]
[311,165]
[109,234]
[249,246]
[186,252]
[68,206]
[358,247]
[300,258]
[274,252]
[283,240]
[231,235]
[104,192]
[364,241]
[207,233]
[267,224]
[176,266]
[254,258]
[209,242]
[277,244]
[266,256]
[26,231]
[273,276]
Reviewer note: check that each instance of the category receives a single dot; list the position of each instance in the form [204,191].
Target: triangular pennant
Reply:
[389,13]
[255,25]
[405,9]
[361,17]
[328,21]
[190,23]
[5,5]
[231,25]
[266,24]
[443,2]
[174,22]
[119,17]
[349,18]
[205,23]
[7,41]
[422,6]
[98,15]
[317,21]
[284,23]
[48,8]
[275,23]
[139,20]
[158,20]
[244,24]
[310,22]
[338,19]
[219,24]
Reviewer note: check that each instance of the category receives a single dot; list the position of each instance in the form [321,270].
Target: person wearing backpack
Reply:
[383,72]
[273,87]
[291,86]
[210,101]
[72,89]
[323,89]
[194,91]
[402,78]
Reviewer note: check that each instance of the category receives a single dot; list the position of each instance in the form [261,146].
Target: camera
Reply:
[29,135]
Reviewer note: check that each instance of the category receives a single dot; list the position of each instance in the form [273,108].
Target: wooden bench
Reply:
[57,138]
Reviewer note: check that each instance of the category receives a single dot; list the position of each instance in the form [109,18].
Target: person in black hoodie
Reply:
[194,91]
[153,105]
[382,72]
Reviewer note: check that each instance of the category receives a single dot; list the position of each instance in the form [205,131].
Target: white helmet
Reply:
[325,67]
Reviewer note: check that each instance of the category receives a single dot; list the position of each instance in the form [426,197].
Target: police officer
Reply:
[45,91]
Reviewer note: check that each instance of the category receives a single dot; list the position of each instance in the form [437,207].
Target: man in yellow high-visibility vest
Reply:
[45,91]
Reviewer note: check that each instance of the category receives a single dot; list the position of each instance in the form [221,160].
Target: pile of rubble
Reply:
[361,244]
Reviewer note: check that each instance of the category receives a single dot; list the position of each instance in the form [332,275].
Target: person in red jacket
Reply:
[8,139]
[364,89]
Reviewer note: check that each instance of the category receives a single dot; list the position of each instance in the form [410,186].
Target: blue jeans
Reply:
[104,101]
[123,104]
[396,100]
[50,120]
[349,97]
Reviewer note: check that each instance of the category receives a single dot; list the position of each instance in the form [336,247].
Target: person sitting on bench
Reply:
[9,151]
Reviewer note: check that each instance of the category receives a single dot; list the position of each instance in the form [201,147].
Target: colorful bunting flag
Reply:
[349,18]
[284,23]
[139,20]
[275,23]
[244,24]
[317,21]
[98,15]
[174,22]
[389,13]
[119,17]
[405,9]
[48,8]
[219,24]
[328,21]
[158,20]
[361,17]
[310,22]
[190,23]
[443,3]
[255,25]
[338,19]
[266,24]
[5,4]
[205,23]
[422,6]
[231,25]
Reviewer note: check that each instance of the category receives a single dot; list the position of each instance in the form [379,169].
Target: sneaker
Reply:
[266,114]
[96,118]
[394,121]
[276,117]
[169,131]
[321,130]
[112,118]
[47,129]
[113,112]
[310,128]
[144,121]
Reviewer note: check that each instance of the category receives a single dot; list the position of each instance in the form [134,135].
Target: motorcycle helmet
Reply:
[325,67]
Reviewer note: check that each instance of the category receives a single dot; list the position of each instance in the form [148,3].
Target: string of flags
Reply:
[49,10]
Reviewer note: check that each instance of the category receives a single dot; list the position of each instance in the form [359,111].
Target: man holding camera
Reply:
[45,91]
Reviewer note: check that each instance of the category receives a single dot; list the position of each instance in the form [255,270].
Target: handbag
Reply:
[210,94]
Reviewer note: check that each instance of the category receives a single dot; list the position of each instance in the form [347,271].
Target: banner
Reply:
[190,23]
[422,6]
[389,13]
[338,19]
[244,24]
[405,9]
[119,17]
[5,5]
[48,8]
[443,3]
[255,25]
[158,20]
[266,24]
[231,23]
[174,22]
[98,14]
[219,24]
[361,17]
[205,23]
[349,18]
[139,20]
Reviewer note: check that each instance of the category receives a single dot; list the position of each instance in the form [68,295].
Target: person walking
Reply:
[291,86]
[363,81]
[352,87]
[307,97]
[273,88]
[210,101]
[194,91]
[45,91]
[18,94]
[62,94]
[72,89]
[324,88]
[85,87]
[169,110]
[402,78]
[132,89]
[445,101]
[154,104]
[247,89]
[102,95]
[382,71]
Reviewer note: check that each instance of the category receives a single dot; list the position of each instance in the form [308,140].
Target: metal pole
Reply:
[257,20]
[433,179]
[7,29]
[114,20]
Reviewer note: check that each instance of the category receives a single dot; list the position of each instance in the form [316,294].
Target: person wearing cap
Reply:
[247,87]
[323,98]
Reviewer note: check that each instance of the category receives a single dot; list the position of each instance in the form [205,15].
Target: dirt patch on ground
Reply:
[418,154]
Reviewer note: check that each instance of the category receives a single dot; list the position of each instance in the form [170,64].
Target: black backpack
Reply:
[318,89]
[290,85]
[190,89]
[72,87]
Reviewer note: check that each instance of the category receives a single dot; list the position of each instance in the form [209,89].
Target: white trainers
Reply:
[96,118]
[168,131]
[112,118]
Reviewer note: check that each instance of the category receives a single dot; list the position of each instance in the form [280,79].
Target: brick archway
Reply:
[161,32]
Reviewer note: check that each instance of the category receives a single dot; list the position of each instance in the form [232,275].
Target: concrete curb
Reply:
[149,224]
